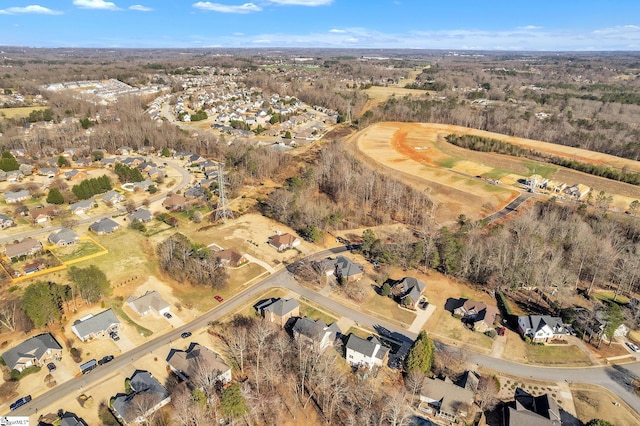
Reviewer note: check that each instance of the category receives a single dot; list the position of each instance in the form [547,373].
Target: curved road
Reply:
[615,378]
[186,179]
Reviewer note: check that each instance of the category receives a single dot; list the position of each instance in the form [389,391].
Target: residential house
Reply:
[6,221]
[316,334]
[527,409]
[446,399]
[194,193]
[231,257]
[17,152]
[34,267]
[63,237]
[49,172]
[477,314]
[175,202]
[70,419]
[109,162]
[132,161]
[409,291]
[37,350]
[42,214]
[367,353]
[144,185]
[12,197]
[279,310]
[345,269]
[151,301]
[104,226]
[541,328]
[92,326]
[156,173]
[146,397]
[81,207]
[14,176]
[283,241]
[26,247]
[113,197]
[190,363]
[143,215]
[124,150]
[75,175]
[206,183]
[145,166]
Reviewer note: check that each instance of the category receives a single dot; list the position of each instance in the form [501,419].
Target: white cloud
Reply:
[224,8]
[337,31]
[529,27]
[302,2]
[96,4]
[140,8]
[34,8]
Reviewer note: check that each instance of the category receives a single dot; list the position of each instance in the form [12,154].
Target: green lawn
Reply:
[385,307]
[448,162]
[542,169]
[117,308]
[496,174]
[566,355]
[80,249]
[307,310]
[608,296]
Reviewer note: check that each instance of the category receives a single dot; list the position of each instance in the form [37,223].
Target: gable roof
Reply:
[142,383]
[538,322]
[104,225]
[281,307]
[149,300]
[17,195]
[97,323]
[280,240]
[34,348]
[412,288]
[141,214]
[63,235]
[450,396]
[23,247]
[81,205]
[346,267]
[70,419]
[195,357]
[367,346]
[231,255]
[42,211]
[174,200]
[112,195]
[481,311]
[528,410]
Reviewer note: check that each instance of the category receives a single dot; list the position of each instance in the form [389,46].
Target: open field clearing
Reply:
[379,94]
[593,402]
[19,112]
[419,154]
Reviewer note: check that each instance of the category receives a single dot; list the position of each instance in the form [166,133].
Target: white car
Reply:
[633,347]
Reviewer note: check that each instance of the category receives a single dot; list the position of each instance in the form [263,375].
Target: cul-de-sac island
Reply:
[298,237]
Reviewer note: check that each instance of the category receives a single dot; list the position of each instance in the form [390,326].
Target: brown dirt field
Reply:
[595,402]
[391,145]
[379,94]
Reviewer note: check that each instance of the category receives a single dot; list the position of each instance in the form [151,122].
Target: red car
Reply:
[501,331]
[218,298]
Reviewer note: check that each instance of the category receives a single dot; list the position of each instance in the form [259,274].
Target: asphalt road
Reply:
[616,378]
[510,208]
[186,179]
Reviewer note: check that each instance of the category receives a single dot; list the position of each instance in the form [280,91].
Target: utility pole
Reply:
[223,211]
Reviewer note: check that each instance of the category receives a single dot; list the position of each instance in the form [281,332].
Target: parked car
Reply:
[19,403]
[114,336]
[218,298]
[51,366]
[501,331]
[632,346]
[105,359]
[167,315]
[186,334]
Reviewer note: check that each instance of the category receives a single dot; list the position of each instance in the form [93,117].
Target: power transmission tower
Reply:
[223,211]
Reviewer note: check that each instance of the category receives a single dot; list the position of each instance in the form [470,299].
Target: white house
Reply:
[541,328]
[365,352]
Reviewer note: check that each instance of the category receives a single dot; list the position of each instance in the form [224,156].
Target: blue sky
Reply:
[443,24]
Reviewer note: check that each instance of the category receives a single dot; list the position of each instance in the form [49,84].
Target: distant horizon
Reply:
[459,25]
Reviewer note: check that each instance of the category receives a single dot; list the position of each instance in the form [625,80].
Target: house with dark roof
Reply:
[541,328]
[98,325]
[278,310]
[478,315]
[143,215]
[6,221]
[529,410]
[367,353]
[345,269]
[38,350]
[26,247]
[194,193]
[151,301]
[12,197]
[283,241]
[409,291]
[75,175]
[49,172]
[316,334]
[231,257]
[445,399]
[147,396]
[190,363]
[71,419]
[104,226]
[144,185]
[81,207]
[63,237]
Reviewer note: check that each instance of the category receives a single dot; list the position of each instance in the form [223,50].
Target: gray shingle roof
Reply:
[70,419]
[34,347]
[17,195]
[195,357]
[142,383]
[281,307]
[367,346]
[149,300]
[528,410]
[142,215]
[98,323]
[81,205]
[63,235]
[104,226]
[346,267]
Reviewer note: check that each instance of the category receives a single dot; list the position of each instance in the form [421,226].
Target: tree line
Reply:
[90,187]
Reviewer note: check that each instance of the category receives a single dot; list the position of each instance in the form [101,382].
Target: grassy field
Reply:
[308,309]
[117,308]
[556,355]
[385,307]
[595,402]
[19,112]
[80,249]
[608,296]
